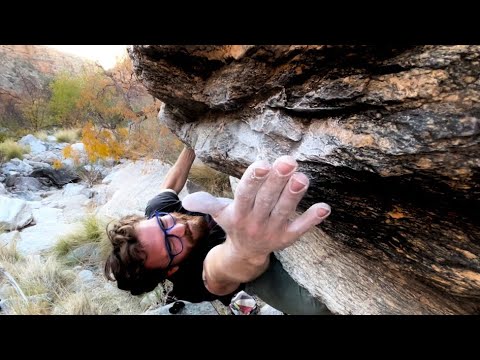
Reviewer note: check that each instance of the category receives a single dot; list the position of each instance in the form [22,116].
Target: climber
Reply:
[211,248]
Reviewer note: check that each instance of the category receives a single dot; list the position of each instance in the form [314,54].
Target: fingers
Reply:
[269,193]
[313,216]
[248,186]
[205,203]
[288,201]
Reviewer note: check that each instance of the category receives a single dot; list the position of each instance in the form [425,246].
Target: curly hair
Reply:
[126,262]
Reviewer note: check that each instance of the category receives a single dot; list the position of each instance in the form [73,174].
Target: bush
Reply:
[3,137]
[9,149]
[67,135]
[151,139]
[42,135]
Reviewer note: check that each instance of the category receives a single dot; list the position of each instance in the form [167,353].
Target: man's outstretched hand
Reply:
[258,220]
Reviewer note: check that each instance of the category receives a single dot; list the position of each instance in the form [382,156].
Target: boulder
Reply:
[388,136]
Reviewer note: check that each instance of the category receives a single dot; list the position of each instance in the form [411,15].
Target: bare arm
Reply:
[257,222]
[224,269]
[178,173]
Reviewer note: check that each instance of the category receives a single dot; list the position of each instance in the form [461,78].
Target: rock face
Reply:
[389,137]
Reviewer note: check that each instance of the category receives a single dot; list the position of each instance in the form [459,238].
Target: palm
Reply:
[258,220]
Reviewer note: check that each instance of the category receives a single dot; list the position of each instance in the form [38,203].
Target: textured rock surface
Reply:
[388,136]
[131,186]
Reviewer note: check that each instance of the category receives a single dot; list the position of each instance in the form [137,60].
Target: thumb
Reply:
[205,203]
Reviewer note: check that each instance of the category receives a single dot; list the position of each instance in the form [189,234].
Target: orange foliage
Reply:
[122,118]
[102,144]
[68,152]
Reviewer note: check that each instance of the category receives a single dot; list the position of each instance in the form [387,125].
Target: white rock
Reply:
[72,189]
[8,237]
[86,276]
[41,237]
[132,185]
[14,213]
[36,145]
[268,310]
[17,165]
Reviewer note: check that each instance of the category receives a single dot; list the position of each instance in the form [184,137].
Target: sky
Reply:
[105,55]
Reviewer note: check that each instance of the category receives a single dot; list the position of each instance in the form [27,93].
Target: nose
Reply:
[177,230]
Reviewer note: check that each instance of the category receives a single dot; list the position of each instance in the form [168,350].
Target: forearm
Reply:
[224,268]
[178,174]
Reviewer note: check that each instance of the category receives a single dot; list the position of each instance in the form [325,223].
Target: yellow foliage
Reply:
[57,164]
[67,151]
[123,133]
[101,144]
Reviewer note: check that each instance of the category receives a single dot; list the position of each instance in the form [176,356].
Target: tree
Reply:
[33,102]
[64,107]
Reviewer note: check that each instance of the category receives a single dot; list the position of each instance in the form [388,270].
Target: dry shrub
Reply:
[9,149]
[151,139]
[68,135]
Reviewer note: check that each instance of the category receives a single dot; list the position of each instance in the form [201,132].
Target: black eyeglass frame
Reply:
[168,246]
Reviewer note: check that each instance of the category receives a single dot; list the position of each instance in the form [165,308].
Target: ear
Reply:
[172,271]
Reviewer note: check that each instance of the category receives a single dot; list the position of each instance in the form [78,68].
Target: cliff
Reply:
[389,137]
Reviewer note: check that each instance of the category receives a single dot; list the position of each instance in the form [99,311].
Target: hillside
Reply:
[22,64]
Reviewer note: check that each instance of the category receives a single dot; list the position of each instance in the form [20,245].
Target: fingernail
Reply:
[323,210]
[297,185]
[260,172]
[285,168]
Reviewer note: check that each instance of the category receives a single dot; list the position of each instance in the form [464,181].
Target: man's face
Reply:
[183,236]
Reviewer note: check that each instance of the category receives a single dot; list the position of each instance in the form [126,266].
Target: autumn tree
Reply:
[100,145]
[135,95]
[33,103]
[147,137]
[121,115]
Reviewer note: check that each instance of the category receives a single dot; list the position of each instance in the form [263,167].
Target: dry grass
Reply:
[8,252]
[213,181]
[9,149]
[42,135]
[68,135]
[97,300]
[43,283]
[91,237]
[51,286]
[77,303]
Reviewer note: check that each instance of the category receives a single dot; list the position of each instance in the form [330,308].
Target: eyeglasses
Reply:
[171,255]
